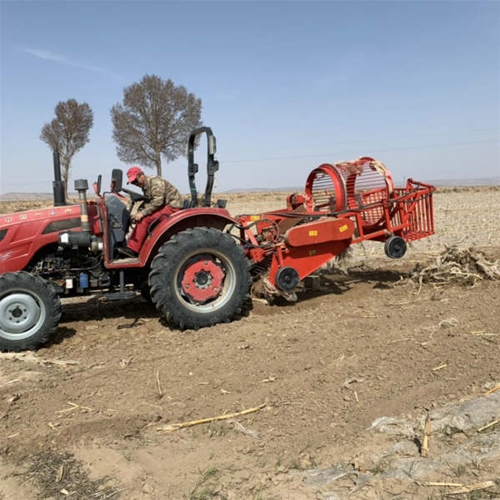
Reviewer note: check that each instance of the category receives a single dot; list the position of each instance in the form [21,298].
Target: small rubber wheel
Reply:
[395,247]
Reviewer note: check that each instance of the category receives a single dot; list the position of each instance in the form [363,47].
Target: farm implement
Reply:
[343,204]
[196,266]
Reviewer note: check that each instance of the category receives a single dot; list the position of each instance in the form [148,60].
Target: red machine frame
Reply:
[343,203]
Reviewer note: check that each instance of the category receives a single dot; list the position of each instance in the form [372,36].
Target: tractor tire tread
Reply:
[163,279]
[46,293]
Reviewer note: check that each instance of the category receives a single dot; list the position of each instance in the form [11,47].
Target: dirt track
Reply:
[85,417]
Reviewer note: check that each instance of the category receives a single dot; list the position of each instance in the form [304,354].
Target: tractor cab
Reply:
[120,201]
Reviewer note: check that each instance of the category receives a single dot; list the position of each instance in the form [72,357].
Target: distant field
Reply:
[463,215]
[92,414]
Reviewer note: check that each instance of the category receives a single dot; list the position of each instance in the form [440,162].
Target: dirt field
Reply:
[88,417]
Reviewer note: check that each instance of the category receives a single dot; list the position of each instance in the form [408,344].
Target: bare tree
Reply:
[68,132]
[155,119]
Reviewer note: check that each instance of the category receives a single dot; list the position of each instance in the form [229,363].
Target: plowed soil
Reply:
[91,414]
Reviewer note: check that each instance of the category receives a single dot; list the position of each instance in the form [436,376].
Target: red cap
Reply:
[132,174]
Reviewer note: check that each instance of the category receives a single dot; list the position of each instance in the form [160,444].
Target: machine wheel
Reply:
[395,247]
[30,311]
[200,278]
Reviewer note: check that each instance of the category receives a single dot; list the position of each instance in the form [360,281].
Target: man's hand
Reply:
[137,217]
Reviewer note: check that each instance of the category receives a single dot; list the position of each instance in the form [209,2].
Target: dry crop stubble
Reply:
[326,368]
[463,215]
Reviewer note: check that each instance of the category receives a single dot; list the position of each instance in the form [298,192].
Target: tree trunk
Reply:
[65,176]
[158,164]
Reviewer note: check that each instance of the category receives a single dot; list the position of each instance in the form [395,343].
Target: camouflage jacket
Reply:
[158,193]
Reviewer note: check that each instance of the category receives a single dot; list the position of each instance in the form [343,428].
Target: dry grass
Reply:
[9,207]
[463,215]
[464,266]
[60,475]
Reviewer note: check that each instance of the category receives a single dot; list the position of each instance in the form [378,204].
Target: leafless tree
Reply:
[68,132]
[154,119]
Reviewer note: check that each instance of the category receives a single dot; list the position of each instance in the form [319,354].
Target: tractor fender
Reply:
[165,227]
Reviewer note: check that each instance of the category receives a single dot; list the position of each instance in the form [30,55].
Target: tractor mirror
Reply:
[116,180]
[97,185]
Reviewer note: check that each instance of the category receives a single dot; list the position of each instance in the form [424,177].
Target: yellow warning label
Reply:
[313,233]
[343,228]
[254,217]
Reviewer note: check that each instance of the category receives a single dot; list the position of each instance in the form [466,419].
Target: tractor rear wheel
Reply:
[200,278]
[30,311]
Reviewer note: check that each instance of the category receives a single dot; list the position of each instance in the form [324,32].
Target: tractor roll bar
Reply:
[212,164]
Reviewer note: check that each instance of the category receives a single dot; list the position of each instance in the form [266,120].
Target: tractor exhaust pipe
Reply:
[81,186]
[83,238]
[58,185]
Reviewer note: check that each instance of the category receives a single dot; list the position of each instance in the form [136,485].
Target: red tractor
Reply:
[197,265]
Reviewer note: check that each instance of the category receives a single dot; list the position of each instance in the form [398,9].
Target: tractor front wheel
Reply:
[30,311]
[200,278]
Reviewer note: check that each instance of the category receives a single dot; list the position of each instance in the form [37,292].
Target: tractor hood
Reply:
[23,234]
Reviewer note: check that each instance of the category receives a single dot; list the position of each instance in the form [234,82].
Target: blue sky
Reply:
[285,85]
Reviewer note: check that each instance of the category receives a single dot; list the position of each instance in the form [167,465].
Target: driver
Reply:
[161,197]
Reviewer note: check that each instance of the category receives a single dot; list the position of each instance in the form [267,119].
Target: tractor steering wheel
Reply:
[135,197]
